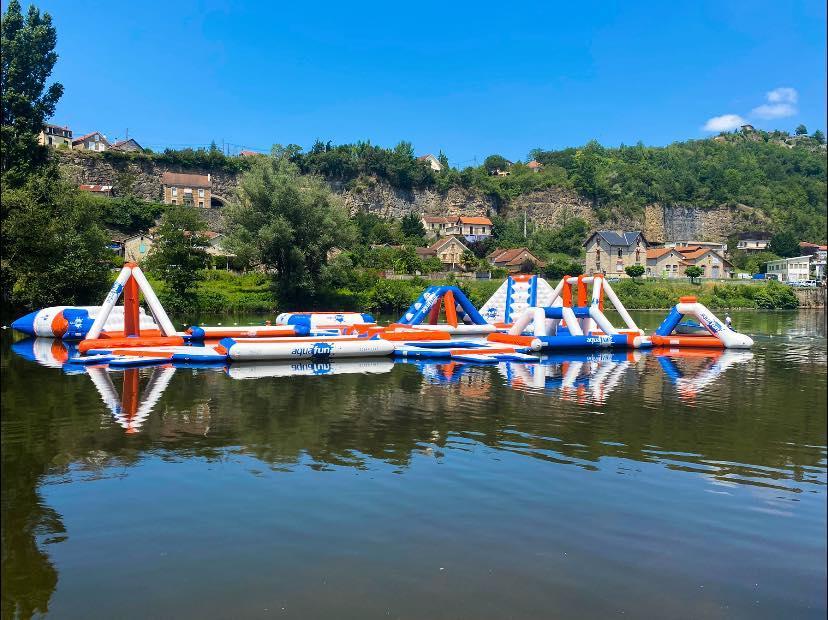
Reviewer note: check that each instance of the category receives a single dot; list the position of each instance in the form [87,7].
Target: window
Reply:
[50,140]
[174,201]
[175,191]
[201,193]
[638,256]
[619,252]
[201,204]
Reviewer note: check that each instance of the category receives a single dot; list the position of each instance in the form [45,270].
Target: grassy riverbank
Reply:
[223,291]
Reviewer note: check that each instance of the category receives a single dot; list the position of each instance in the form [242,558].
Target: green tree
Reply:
[179,254]
[407,260]
[28,57]
[693,272]
[634,271]
[412,227]
[54,252]
[432,265]
[444,162]
[801,130]
[468,260]
[818,136]
[784,244]
[560,267]
[495,162]
[287,223]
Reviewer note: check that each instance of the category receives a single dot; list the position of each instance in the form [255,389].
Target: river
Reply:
[689,485]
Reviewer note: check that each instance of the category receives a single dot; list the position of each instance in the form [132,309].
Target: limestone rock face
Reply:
[546,207]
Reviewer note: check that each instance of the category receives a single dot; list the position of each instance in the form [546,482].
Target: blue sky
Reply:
[471,79]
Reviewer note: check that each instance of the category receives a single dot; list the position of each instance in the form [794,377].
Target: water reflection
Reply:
[748,428]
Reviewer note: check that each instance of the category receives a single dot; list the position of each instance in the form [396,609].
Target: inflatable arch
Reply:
[719,335]
[461,316]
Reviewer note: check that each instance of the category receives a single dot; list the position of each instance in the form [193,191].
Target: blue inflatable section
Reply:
[25,324]
[79,322]
[418,311]
[669,323]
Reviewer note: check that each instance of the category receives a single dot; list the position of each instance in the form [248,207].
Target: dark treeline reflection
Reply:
[760,423]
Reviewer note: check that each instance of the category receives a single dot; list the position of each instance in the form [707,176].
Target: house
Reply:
[747,128]
[432,161]
[54,135]
[94,141]
[818,254]
[610,251]
[247,153]
[664,262]
[753,241]
[437,226]
[473,228]
[116,241]
[100,190]
[534,166]
[712,263]
[137,247]
[512,259]
[794,269]
[186,189]
[130,144]
[448,249]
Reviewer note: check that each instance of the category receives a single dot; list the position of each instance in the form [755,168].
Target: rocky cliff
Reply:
[546,207]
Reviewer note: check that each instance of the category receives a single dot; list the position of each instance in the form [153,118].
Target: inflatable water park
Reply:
[524,319]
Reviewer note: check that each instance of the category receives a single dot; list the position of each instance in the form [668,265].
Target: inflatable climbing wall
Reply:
[514,296]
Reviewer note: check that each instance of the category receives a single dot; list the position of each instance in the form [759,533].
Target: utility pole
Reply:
[524,222]
[127,134]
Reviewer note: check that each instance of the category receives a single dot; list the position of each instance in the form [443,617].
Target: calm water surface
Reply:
[690,486]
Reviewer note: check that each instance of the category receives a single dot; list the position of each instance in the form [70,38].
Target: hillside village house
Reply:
[448,249]
[753,241]
[186,189]
[672,262]
[818,254]
[795,269]
[94,141]
[471,227]
[129,144]
[53,135]
[512,259]
[431,161]
[716,246]
[137,247]
[610,251]
[534,166]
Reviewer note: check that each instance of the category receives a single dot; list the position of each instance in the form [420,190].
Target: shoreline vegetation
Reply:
[252,293]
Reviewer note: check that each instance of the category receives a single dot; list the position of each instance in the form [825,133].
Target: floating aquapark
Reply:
[525,318]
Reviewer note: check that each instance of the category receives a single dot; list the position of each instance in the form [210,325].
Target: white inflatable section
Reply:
[115,321]
[309,368]
[730,338]
[308,349]
[494,310]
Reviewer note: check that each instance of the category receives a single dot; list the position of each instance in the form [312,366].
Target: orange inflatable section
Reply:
[687,341]
[524,341]
[109,343]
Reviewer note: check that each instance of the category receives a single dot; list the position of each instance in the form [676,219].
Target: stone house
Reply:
[186,189]
[94,141]
[437,226]
[609,252]
[672,262]
[432,161]
[471,227]
[130,144]
[54,135]
[534,166]
[448,249]
[100,190]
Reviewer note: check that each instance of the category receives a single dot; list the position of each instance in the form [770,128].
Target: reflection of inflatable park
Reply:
[524,319]
[130,393]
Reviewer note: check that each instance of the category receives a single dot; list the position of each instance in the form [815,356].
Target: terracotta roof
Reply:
[534,164]
[808,244]
[513,257]
[89,135]
[248,153]
[685,249]
[429,219]
[424,157]
[483,221]
[656,253]
[425,251]
[438,245]
[181,179]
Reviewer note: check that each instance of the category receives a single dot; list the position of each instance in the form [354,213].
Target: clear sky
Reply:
[471,79]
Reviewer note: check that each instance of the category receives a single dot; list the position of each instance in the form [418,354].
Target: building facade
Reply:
[432,161]
[130,144]
[471,227]
[56,136]
[94,141]
[513,259]
[186,189]
[796,269]
[753,241]
[449,250]
[137,247]
[609,252]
